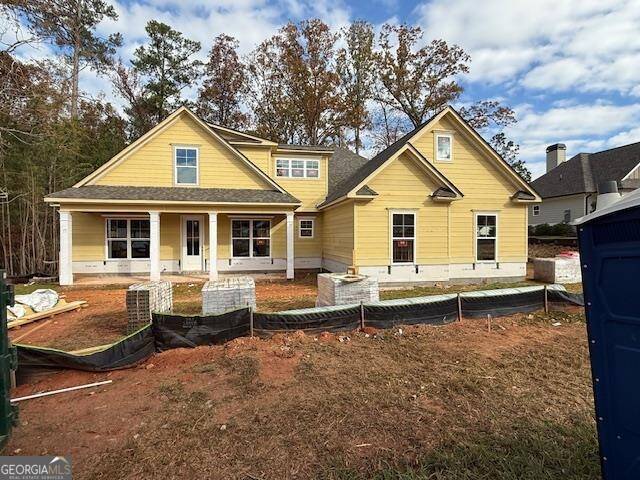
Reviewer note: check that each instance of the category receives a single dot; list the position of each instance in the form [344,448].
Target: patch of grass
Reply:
[528,451]
[439,290]
[192,307]
[280,304]
[205,368]
[245,370]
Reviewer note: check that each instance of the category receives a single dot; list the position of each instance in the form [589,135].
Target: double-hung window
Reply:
[403,236]
[128,238]
[306,228]
[486,237]
[186,165]
[297,168]
[536,210]
[251,238]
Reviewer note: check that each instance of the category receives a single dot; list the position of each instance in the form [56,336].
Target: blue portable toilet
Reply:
[609,242]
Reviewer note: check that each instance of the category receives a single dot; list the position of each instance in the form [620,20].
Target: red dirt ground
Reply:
[88,424]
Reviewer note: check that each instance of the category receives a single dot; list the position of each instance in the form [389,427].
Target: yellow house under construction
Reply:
[438,205]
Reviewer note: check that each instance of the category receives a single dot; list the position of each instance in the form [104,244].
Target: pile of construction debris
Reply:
[41,303]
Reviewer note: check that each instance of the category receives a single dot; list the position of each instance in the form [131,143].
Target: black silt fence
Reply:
[178,331]
[474,306]
[131,350]
[391,313]
[312,320]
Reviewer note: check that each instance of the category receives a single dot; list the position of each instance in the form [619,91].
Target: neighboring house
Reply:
[570,187]
[437,205]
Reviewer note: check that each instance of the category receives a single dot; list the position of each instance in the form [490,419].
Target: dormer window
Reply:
[186,165]
[444,147]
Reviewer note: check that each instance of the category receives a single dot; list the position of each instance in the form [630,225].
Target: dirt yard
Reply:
[450,402]
[105,319]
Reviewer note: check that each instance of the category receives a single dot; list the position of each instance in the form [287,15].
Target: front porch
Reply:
[105,245]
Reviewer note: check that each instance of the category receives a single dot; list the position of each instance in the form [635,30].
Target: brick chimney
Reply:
[556,154]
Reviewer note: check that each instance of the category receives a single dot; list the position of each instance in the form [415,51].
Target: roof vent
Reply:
[607,194]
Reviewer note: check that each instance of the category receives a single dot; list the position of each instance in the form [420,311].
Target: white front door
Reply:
[192,243]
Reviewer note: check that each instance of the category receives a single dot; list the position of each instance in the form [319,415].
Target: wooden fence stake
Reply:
[459,308]
[489,322]
[251,321]
[361,314]
[546,300]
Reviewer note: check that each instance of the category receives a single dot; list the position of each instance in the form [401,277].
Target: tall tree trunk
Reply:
[75,74]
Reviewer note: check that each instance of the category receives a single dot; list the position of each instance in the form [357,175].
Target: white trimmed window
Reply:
[444,147]
[306,227]
[297,168]
[403,236]
[486,237]
[250,238]
[536,210]
[186,165]
[128,238]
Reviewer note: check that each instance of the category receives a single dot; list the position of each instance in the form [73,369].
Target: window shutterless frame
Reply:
[403,236]
[306,228]
[179,149]
[486,235]
[536,210]
[437,138]
[129,239]
[251,237]
[298,168]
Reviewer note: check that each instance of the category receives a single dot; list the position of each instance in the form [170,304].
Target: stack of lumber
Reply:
[61,307]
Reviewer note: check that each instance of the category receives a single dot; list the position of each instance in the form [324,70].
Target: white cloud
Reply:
[583,128]
[589,45]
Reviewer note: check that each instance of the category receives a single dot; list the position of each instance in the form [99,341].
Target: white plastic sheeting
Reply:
[39,300]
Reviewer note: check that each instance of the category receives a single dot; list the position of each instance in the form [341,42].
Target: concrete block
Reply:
[557,270]
[228,294]
[345,289]
[144,298]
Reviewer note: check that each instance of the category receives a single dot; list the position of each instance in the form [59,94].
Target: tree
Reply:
[274,112]
[356,67]
[221,95]
[128,84]
[71,25]
[418,81]
[165,66]
[297,68]
[509,150]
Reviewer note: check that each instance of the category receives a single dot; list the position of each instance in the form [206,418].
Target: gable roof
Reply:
[172,194]
[367,169]
[585,171]
[160,127]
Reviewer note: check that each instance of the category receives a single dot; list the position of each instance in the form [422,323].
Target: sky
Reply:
[570,69]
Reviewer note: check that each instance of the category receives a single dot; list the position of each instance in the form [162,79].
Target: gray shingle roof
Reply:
[175,194]
[310,148]
[585,171]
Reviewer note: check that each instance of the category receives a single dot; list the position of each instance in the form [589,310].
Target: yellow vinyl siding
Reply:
[260,156]
[338,233]
[88,237]
[308,247]
[152,164]
[403,185]
[309,191]
[486,188]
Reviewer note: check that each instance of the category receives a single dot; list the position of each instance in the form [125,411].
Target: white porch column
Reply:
[154,246]
[290,257]
[213,246]
[65,271]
